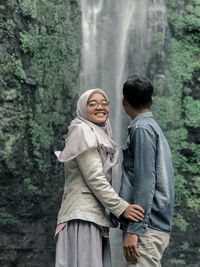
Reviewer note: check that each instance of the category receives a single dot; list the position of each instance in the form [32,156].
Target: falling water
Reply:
[91,10]
[119,37]
[117,40]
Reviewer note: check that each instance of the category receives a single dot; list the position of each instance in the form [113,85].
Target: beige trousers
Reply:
[151,248]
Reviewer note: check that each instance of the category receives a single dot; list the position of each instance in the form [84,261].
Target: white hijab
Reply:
[84,134]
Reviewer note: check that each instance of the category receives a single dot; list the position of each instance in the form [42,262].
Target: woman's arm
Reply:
[91,168]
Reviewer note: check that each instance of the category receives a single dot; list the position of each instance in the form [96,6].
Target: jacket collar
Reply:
[140,116]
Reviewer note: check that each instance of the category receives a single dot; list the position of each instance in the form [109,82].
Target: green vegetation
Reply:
[178,111]
[51,40]
[45,82]
[7,218]
[39,68]
[30,187]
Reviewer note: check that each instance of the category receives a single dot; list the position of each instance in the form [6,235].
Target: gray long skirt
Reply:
[80,244]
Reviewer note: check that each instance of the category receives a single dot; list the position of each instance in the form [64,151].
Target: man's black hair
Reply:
[138,91]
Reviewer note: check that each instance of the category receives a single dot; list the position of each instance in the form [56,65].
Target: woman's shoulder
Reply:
[81,133]
[80,127]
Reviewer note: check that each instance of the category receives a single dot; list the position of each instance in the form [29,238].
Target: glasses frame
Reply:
[97,104]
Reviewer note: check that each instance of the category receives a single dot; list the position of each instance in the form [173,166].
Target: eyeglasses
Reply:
[95,104]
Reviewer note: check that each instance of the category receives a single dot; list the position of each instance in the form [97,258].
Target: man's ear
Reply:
[124,102]
[152,100]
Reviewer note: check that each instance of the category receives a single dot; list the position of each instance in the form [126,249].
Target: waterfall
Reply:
[90,13]
[119,38]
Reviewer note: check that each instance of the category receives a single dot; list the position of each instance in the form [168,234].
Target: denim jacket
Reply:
[147,175]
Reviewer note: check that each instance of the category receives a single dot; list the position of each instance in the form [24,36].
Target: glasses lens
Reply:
[95,104]
[104,103]
[92,103]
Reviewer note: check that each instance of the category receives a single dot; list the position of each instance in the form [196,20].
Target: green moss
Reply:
[193,201]
[180,222]
[178,262]
[19,71]
[8,27]
[29,186]
[6,218]
[181,255]
[192,108]
[172,3]
[39,66]
[10,95]
[28,8]
[52,40]
[181,189]
[176,109]
[184,246]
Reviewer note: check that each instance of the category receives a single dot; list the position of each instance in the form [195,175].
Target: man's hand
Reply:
[131,251]
[134,213]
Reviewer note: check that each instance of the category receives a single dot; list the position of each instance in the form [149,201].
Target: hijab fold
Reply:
[84,135]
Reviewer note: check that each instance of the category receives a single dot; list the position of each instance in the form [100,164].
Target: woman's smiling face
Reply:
[97,108]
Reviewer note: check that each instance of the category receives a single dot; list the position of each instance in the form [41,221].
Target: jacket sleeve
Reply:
[91,167]
[143,146]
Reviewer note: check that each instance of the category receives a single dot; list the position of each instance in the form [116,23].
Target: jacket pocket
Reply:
[89,202]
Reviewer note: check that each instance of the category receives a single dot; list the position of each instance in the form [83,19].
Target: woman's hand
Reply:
[134,213]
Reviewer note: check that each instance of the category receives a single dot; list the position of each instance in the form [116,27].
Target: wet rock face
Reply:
[36,105]
[25,246]
[184,246]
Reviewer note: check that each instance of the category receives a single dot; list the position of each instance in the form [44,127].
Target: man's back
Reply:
[147,171]
[147,177]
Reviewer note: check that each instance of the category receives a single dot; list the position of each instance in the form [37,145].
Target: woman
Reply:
[88,197]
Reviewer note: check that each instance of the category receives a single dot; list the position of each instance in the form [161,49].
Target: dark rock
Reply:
[31,81]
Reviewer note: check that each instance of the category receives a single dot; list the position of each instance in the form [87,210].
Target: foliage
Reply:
[12,114]
[178,111]
[8,27]
[180,222]
[7,218]
[193,202]
[51,40]
[192,108]
[178,262]
[38,68]
[28,184]
[19,71]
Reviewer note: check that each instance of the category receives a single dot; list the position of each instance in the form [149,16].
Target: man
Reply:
[147,178]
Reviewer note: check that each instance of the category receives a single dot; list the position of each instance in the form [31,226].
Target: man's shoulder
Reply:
[147,127]
[145,123]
